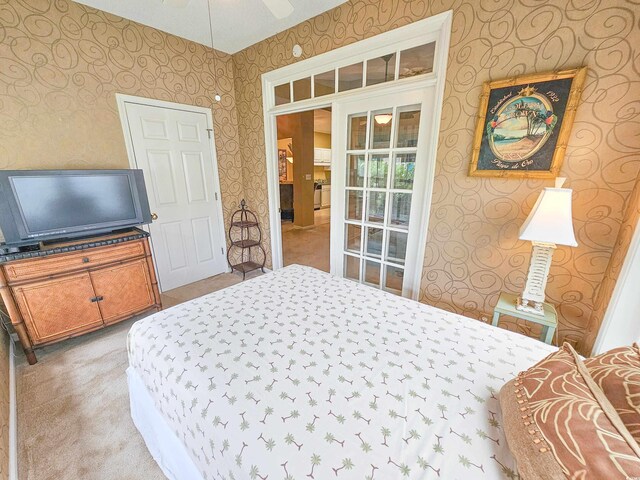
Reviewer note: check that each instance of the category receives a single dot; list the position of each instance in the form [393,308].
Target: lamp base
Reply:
[533,295]
[528,306]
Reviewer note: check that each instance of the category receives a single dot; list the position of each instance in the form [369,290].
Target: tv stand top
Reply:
[63,246]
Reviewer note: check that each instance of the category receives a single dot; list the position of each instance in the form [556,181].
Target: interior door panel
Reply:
[173,149]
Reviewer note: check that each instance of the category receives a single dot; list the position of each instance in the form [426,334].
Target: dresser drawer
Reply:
[67,262]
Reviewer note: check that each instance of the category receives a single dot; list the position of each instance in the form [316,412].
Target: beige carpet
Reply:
[73,405]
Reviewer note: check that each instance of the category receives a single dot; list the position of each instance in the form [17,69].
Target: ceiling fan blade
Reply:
[280,8]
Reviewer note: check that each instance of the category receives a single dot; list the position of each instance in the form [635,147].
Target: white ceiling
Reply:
[236,24]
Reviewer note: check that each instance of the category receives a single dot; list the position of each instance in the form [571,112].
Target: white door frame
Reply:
[122,101]
[436,28]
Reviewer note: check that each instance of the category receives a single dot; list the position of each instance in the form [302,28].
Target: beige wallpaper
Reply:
[473,252]
[630,223]
[63,63]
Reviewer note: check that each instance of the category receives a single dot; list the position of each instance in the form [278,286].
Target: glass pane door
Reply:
[380,163]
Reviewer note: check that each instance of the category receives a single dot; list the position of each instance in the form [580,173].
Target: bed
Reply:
[299,374]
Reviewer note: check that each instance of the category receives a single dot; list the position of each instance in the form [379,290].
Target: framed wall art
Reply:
[524,124]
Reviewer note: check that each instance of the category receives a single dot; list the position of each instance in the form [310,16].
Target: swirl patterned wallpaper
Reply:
[63,63]
[473,251]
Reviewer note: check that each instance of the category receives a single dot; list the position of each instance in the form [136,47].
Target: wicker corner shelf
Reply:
[245,223]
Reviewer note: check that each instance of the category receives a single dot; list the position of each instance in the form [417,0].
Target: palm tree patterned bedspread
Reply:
[298,374]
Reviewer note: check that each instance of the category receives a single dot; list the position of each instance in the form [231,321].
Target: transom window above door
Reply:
[389,67]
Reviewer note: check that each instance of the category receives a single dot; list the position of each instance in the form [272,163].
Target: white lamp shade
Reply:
[550,220]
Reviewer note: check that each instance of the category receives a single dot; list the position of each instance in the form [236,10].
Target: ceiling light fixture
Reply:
[383,118]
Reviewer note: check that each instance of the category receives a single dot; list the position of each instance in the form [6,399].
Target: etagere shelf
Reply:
[245,234]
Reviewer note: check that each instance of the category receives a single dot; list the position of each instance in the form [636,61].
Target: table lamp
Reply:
[549,224]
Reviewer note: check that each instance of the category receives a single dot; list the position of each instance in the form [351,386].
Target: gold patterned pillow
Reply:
[617,373]
[559,424]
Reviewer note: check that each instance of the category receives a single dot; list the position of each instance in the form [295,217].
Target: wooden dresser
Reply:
[68,289]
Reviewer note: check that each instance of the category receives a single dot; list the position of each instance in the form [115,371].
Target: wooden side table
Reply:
[507,306]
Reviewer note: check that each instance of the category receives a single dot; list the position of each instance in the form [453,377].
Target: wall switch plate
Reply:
[307,176]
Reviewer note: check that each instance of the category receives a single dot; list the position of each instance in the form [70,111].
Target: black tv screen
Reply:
[49,204]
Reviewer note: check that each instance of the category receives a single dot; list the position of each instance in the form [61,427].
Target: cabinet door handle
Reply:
[97,299]
[85,259]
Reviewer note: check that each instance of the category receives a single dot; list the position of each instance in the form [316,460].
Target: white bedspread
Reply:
[297,374]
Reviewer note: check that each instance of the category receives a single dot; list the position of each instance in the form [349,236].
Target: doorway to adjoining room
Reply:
[304,170]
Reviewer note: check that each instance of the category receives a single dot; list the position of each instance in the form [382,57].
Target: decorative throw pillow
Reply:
[559,424]
[617,373]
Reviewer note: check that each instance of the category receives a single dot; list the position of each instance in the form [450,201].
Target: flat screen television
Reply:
[43,205]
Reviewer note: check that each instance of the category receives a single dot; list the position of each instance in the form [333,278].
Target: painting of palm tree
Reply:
[524,124]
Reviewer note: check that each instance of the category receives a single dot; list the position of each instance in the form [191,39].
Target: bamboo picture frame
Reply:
[524,123]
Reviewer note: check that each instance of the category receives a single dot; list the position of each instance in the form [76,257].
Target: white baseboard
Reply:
[13,415]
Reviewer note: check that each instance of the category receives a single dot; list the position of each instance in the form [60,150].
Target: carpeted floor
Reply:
[73,405]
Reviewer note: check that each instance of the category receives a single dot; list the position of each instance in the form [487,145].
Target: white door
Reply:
[381,181]
[174,150]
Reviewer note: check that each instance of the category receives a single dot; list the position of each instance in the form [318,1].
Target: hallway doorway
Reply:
[304,170]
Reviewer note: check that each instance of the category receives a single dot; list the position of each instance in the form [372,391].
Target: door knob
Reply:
[154,216]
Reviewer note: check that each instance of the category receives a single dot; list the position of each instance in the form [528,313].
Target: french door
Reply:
[382,180]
